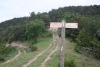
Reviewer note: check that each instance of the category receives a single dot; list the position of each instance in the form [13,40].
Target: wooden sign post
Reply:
[63,25]
[62,44]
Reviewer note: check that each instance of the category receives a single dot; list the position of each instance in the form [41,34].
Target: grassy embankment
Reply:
[80,59]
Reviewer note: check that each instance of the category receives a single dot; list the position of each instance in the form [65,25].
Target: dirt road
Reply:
[55,37]
[48,57]
[34,58]
[55,40]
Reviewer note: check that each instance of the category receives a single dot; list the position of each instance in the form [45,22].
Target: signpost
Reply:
[59,25]
[63,25]
[62,44]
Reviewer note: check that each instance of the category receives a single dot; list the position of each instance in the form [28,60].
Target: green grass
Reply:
[40,59]
[81,60]
[13,61]
[12,54]
[54,62]
[23,58]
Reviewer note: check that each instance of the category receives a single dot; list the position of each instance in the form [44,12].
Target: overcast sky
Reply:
[19,8]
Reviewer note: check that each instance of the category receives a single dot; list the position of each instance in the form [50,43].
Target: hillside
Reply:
[83,43]
[86,16]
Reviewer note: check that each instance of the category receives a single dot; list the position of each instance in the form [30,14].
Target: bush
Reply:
[10,39]
[32,48]
[69,63]
[34,42]
[47,34]
[2,57]
[5,51]
[77,48]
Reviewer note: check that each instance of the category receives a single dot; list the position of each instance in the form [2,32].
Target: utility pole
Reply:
[62,44]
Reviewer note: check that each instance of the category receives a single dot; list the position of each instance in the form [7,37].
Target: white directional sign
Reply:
[59,25]
[55,25]
[71,25]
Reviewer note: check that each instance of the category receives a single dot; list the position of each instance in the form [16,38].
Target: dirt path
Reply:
[48,57]
[55,39]
[18,45]
[13,57]
[32,60]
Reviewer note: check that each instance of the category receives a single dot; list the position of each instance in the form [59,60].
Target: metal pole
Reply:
[62,44]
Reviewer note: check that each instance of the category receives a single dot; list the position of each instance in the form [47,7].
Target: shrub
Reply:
[5,51]
[32,48]
[47,34]
[77,48]
[69,63]
[2,57]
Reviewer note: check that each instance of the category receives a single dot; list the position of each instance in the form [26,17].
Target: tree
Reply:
[10,39]
[32,16]
[35,29]
[83,38]
[67,16]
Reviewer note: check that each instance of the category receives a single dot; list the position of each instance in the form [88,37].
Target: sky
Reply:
[20,8]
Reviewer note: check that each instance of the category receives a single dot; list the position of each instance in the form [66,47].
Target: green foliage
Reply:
[35,29]
[98,34]
[11,39]
[97,52]
[47,34]
[83,38]
[32,16]
[67,16]
[0,40]
[69,63]
[77,48]
[4,51]
[87,17]
[32,48]
[4,39]
[43,16]
[19,32]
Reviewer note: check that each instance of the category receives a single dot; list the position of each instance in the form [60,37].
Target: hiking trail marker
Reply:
[62,25]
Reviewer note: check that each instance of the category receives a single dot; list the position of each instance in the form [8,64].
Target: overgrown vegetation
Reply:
[32,48]
[88,44]
[5,51]
[69,63]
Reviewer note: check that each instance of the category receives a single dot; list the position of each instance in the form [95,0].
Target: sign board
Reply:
[55,25]
[71,25]
[59,25]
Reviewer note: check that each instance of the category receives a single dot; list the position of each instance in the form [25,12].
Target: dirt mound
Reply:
[16,44]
